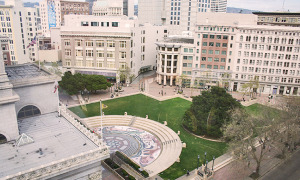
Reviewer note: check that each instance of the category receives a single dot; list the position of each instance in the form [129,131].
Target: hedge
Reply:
[131,163]
[111,164]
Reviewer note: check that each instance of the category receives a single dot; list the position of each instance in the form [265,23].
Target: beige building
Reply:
[231,50]
[278,18]
[96,45]
[73,7]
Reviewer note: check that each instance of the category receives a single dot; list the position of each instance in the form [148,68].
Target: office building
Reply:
[13,25]
[278,18]
[113,8]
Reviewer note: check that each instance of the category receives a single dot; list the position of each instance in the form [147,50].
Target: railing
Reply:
[84,130]
[44,171]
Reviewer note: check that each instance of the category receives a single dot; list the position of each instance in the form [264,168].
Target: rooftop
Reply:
[277,13]
[56,137]
[24,71]
[28,74]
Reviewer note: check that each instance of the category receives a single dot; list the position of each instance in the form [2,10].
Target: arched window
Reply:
[2,139]
[28,111]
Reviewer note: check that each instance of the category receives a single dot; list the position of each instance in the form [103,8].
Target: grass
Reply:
[257,110]
[171,111]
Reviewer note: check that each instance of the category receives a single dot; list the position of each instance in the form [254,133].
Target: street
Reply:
[290,170]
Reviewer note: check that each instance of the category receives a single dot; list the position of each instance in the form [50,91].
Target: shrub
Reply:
[111,164]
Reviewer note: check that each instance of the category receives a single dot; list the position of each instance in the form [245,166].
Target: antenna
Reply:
[283,5]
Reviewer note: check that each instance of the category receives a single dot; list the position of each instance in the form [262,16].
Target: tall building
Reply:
[108,8]
[53,12]
[32,21]
[14,26]
[113,8]
[278,18]
[178,15]
[96,45]
[143,49]
[231,50]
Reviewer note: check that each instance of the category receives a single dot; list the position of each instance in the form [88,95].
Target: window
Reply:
[78,42]
[224,45]
[89,43]
[190,50]
[215,66]
[218,44]
[122,44]
[217,52]
[78,53]
[216,60]
[89,53]
[210,52]
[203,59]
[84,23]
[94,23]
[122,55]
[68,52]
[211,44]
[219,36]
[209,66]
[185,49]
[110,64]
[205,35]
[99,43]
[204,44]
[225,37]
[115,24]
[212,36]
[110,54]
[100,54]
[67,42]
[204,51]
[223,52]
[110,44]
[99,63]
[209,59]
[184,64]
[202,66]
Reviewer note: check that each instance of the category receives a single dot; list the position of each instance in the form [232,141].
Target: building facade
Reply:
[53,12]
[178,15]
[143,50]
[231,50]
[13,25]
[96,45]
[108,8]
[32,21]
[278,18]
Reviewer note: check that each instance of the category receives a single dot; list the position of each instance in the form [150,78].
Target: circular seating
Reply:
[171,143]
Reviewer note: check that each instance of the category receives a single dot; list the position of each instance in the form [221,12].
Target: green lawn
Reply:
[171,111]
[257,110]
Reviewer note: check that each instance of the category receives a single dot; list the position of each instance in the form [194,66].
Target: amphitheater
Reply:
[170,142]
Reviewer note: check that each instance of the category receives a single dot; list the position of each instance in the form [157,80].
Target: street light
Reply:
[206,167]
[205,157]
[212,167]
[198,162]
[101,119]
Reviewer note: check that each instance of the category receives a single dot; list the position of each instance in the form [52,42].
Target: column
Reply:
[159,79]
[165,80]
[171,80]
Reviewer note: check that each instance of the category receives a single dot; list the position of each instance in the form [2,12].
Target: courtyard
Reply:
[172,111]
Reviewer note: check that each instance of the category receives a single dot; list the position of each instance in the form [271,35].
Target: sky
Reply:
[260,5]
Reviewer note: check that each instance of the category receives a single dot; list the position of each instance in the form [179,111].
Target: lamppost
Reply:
[212,167]
[205,157]
[206,167]
[101,119]
[198,162]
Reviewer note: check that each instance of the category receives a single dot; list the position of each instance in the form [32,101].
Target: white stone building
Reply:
[178,15]
[32,20]
[96,45]
[13,25]
[143,50]
[231,50]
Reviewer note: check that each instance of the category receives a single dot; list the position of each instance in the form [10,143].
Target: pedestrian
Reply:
[165,93]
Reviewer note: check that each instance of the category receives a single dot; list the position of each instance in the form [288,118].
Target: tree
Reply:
[79,82]
[251,87]
[250,137]
[287,132]
[125,73]
[210,111]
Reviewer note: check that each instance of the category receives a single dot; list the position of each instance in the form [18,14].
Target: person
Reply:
[187,172]
[269,97]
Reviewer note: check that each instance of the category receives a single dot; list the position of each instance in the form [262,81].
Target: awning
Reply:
[145,67]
